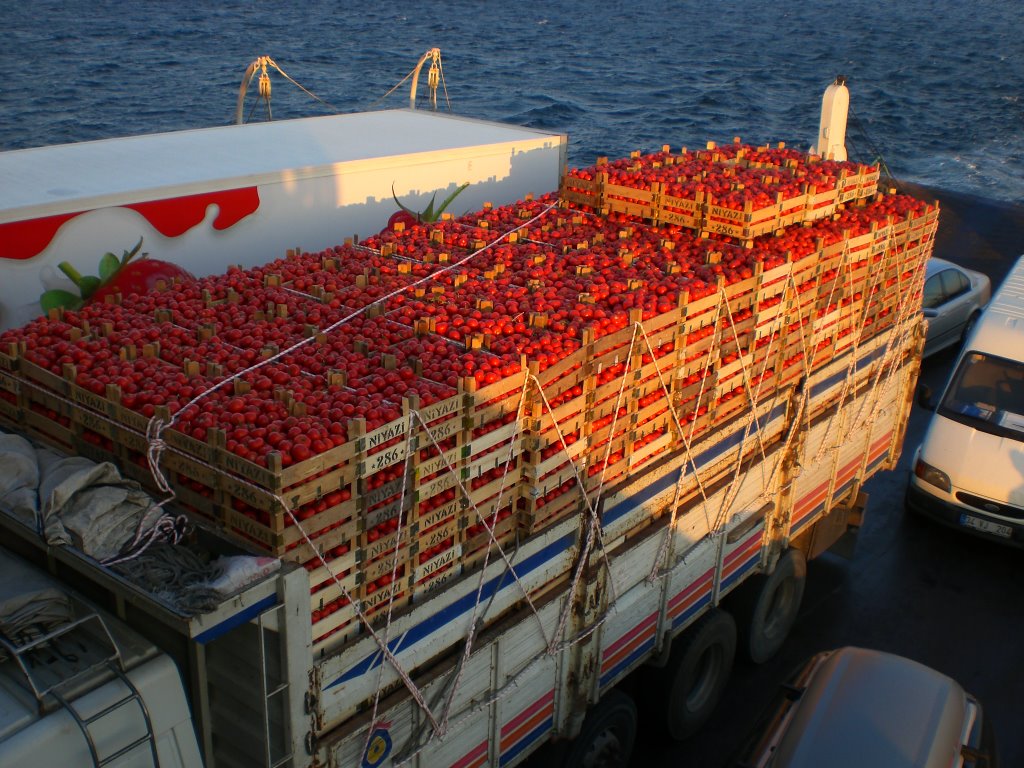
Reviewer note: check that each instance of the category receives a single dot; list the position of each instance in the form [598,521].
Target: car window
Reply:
[954,283]
[987,393]
[933,294]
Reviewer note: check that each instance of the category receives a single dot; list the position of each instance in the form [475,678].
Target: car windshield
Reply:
[987,393]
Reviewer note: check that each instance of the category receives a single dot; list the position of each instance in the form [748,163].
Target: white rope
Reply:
[410,420]
[689,460]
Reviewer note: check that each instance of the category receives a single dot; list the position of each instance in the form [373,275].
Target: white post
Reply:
[835,106]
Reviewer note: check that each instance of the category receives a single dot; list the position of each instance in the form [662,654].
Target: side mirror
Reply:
[924,397]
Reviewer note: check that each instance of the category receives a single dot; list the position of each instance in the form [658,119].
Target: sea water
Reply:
[935,87]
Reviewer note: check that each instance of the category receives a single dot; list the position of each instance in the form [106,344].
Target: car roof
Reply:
[871,708]
[1001,326]
[937,265]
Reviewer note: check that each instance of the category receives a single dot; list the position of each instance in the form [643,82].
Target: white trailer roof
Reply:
[67,177]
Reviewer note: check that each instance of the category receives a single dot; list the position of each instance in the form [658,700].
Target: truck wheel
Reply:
[698,668]
[767,606]
[606,739]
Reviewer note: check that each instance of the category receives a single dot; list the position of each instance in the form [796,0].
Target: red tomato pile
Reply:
[534,297]
[434,310]
[730,176]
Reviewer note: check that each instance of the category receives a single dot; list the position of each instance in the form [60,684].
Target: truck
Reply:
[640,504]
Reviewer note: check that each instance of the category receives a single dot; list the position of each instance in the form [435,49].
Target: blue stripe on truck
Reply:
[240,618]
[836,378]
[461,606]
[666,482]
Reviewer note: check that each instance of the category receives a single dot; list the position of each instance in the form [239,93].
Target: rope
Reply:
[394,573]
[871,145]
[690,460]
[444,85]
[167,528]
[401,82]
[264,88]
[177,575]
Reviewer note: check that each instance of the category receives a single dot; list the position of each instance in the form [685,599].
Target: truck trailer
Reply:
[631,490]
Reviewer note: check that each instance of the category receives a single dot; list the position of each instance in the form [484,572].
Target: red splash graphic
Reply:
[171,217]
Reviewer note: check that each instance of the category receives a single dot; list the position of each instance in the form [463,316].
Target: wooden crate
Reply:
[630,201]
[744,224]
[680,211]
[478,545]
[580,191]
[819,204]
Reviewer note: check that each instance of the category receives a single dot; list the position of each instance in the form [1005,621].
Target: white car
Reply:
[953,299]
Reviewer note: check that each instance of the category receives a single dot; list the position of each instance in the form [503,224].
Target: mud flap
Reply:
[836,531]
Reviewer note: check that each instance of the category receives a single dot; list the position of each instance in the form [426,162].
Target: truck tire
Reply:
[606,739]
[767,606]
[692,681]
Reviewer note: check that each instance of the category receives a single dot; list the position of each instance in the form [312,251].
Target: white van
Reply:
[969,470]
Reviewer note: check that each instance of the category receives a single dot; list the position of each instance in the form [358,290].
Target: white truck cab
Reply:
[969,470]
[79,687]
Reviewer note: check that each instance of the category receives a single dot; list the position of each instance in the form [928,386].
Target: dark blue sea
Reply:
[936,87]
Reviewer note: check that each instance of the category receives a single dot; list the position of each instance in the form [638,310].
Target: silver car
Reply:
[853,708]
[954,298]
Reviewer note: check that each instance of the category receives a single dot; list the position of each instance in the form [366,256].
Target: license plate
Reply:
[978,524]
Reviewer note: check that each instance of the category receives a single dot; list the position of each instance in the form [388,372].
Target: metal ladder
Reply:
[113,662]
[84,723]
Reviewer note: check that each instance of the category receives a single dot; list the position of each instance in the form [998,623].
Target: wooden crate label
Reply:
[249,494]
[91,400]
[386,491]
[372,519]
[189,445]
[133,441]
[439,534]
[729,214]
[436,563]
[251,529]
[248,470]
[95,423]
[442,431]
[382,596]
[386,545]
[438,485]
[428,584]
[447,461]
[440,409]
[438,515]
[383,434]
[383,460]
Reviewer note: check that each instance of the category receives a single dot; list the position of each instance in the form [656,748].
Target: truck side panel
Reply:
[647,605]
[504,704]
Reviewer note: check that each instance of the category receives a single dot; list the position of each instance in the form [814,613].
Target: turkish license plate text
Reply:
[978,524]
